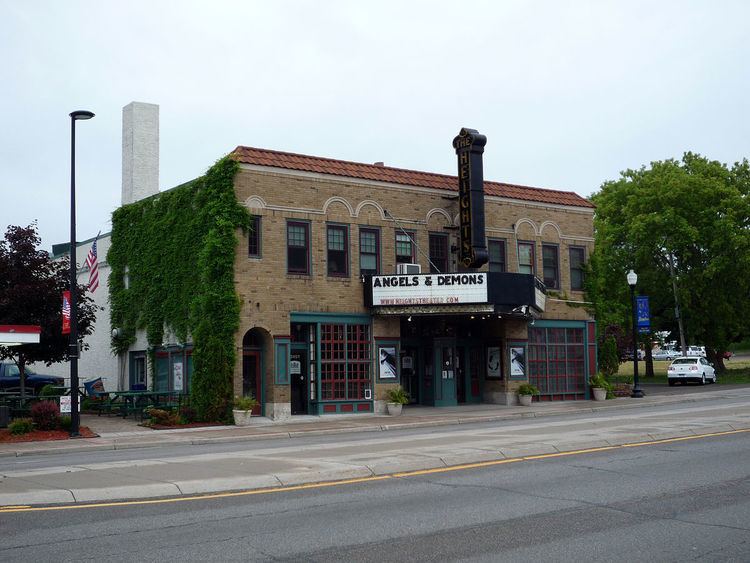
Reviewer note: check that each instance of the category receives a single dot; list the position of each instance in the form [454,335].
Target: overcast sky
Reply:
[567,93]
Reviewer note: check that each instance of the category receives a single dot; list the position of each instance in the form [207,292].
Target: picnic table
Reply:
[135,402]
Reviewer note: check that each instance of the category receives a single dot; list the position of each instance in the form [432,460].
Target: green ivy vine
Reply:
[177,249]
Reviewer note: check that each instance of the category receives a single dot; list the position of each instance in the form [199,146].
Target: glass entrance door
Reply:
[298,373]
[446,364]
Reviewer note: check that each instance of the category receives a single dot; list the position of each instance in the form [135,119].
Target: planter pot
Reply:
[600,394]
[394,409]
[243,418]
[525,400]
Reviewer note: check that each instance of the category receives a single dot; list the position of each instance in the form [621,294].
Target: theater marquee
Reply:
[429,289]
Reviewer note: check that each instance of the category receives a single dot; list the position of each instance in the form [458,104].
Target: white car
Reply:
[691,369]
[665,354]
[696,351]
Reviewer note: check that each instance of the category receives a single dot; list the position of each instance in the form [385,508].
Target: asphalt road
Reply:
[674,501]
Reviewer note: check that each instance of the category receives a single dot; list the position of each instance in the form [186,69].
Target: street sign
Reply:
[643,315]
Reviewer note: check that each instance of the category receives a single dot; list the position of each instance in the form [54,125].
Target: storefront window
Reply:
[557,360]
[345,361]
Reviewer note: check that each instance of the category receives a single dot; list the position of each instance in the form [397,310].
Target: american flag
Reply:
[93,263]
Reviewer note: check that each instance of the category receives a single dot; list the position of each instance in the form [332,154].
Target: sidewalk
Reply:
[366,446]
[117,434]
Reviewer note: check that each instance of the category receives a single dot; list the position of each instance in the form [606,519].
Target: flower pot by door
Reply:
[525,400]
[394,409]
[600,394]
[242,418]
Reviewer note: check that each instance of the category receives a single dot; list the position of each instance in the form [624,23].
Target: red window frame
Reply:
[551,265]
[531,246]
[345,361]
[363,253]
[337,258]
[497,265]
[295,248]
[439,253]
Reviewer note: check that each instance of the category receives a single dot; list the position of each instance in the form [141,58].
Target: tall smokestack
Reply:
[140,151]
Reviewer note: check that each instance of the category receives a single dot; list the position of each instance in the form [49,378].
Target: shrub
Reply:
[21,426]
[528,389]
[65,422]
[398,396]
[50,391]
[188,414]
[609,360]
[163,417]
[46,415]
[246,403]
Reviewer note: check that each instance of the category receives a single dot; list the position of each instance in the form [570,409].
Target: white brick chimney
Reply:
[140,151]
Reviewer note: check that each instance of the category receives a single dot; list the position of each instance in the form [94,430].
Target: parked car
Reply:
[696,351]
[10,378]
[668,354]
[686,369]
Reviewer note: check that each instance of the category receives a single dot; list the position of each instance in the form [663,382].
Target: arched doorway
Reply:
[252,367]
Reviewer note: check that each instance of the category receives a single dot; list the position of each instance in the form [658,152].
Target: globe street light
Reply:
[75,418]
[637,391]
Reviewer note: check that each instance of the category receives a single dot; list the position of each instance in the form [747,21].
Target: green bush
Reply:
[164,417]
[246,403]
[21,426]
[398,396]
[65,422]
[50,391]
[609,361]
[528,389]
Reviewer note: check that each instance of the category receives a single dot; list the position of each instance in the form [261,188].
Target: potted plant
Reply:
[525,392]
[397,398]
[242,410]
[600,387]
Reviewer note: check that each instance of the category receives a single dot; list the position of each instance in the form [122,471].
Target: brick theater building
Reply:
[353,279]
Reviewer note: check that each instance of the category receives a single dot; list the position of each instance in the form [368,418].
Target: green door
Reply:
[446,366]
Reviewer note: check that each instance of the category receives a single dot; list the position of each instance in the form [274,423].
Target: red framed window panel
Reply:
[526,257]
[438,253]
[496,250]
[404,247]
[557,361]
[345,361]
[298,247]
[369,252]
[337,244]
[551,265]
[577,256]
[254,238]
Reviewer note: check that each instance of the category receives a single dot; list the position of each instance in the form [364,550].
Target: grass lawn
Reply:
[738,372]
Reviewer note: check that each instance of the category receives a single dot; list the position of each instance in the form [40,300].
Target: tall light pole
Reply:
[75,418]
[632,280]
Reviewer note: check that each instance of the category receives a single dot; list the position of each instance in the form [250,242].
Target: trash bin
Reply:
[4,416]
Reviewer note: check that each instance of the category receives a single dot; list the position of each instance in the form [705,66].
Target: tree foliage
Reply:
[31,287]
[177,251]
[695,212]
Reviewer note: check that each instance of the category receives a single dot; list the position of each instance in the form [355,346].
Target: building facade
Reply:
[339,279]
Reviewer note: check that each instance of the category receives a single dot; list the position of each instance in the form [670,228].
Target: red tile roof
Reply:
[376,172]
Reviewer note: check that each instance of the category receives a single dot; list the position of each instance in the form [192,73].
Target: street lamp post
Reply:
[75,419]
[637,391]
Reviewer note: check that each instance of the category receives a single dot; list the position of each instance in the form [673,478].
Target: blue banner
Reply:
[643,314]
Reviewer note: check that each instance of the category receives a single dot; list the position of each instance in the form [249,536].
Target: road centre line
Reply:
[399,475]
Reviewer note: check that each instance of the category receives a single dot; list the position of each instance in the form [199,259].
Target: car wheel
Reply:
[672,382]
[703,379]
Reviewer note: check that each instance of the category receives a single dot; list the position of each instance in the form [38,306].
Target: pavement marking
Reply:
[23,508]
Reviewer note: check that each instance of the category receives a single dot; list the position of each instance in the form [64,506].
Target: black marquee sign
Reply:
[469,145]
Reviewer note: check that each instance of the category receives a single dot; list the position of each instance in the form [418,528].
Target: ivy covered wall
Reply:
[176,250]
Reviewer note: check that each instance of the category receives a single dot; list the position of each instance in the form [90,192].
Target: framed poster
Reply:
[177,376]
[387,361]
[517,362]
[494,363]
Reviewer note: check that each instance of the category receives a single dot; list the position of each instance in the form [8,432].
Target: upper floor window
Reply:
[337,237]
[551,265]
[298,247]
[496,250]
[404,248]
[577,260]
[253,238]
[525,257]
[438,253]
[369,252]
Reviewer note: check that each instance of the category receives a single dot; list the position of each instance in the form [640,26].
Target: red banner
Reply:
[66,313]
